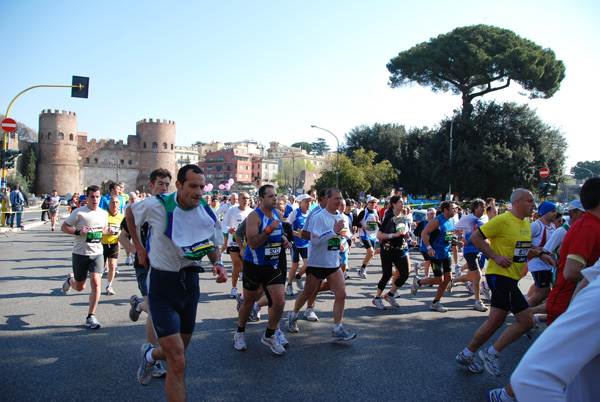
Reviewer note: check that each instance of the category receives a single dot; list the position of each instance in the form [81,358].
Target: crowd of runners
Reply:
[168,234]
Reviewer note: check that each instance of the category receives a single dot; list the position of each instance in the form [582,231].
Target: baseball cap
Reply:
[371,199]
[431,210]
[303,197]
[546,207]
[575,204]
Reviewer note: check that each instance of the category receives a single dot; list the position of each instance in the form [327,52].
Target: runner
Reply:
[324,263]
[368,221]
[87,223]
[437,237]
[232,219]
[426,264]
[114,189]
[297,219]
[509,248]
[183,230]
[160,180]
[393,236]
[53,204]
[110,243]
[265,239]
[541,231]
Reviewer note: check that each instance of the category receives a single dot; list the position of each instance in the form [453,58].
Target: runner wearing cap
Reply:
[541,231]
[368,222]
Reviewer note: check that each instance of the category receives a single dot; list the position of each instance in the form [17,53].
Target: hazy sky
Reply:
[268,70]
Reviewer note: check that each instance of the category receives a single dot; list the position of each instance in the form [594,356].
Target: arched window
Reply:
[154,145]
[41,137]
[164,145]
[87,160]
[130,162]
[61,136]
[122,162]
[49,136]
[95,160]
[171,147]
[71,137]
[144,145]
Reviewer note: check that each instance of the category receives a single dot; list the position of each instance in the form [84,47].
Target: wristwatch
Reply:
[219,263]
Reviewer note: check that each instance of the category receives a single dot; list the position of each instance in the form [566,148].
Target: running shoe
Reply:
[298,282]
[362,272]
[92,322]
[239,298]
[159,371]
[391,300]
[341,335]
[116,271]
[499,395]
[437,306]
[67,286]
[417,267]
[491,362]
[134,301]
[289,290]
[485,291]
[273,343]
[457,271]
[469,286]
[450,286]
[239,341]
[105,271]
[309,314]
[233,293]
[378,303]
[415,286]
[479,306]
[292,323]
[469,363]
[255,313]
[144,373]
[279,334]
[128,260]
[110,291]
[346,276]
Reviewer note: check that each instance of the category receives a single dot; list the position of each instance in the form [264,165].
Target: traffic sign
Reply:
[544,172]
[9,125]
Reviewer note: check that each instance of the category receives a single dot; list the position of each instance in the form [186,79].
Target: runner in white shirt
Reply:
[324,263]
[541,231]
[232,219]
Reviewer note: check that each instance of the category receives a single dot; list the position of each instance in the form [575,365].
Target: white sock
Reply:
[149,358]
[537,319]
[337,327]
[294,315]
[493,351]
[467,353]
[109,284]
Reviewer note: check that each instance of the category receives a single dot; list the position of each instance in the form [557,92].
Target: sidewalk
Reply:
[31,219]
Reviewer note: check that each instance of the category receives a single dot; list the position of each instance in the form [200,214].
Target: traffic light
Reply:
[550,188]
[9,158]
[81,90]
[543,189]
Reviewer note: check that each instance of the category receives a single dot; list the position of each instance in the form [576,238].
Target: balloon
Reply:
[210,186]
[227,186]
[230,182]
[221,186]
[205,189]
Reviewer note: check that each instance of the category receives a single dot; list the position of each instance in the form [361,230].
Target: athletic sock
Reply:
[298,276]
[436,301]
[241,329]
[493,351]
[337,327]
[537,319]
[467,353]
[363,266]
[137,308]
[149,358]
[109,284]
[269,332]
[294,315]
[390,294]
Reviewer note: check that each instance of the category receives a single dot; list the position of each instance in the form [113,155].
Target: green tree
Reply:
[16,179]
[320,146]
[475,60]
[30,166]
[579,171]
[360,173]
[304,145]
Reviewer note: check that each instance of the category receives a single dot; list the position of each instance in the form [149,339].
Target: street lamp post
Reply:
[337,167]
[579,167]
[450,185]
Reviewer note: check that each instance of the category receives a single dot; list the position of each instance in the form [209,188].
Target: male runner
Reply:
[53,204]
[324,263]
[183,229]
[509,248]
[368,221]
[264,241]
[160,180]
[87,223]
[114,189]
[297,219]
[541,231]
[110,243]
[232,219]
[437,238]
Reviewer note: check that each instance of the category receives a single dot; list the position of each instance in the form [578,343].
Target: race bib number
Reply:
[521,250]
[94,235]
[272,251]
[371,226]
[448,237]
[198,250]
[115,228]
[334,243]
[344,232]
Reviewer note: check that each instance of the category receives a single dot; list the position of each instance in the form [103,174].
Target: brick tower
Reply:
[157,149]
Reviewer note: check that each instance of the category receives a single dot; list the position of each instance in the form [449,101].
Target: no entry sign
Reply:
[9,125]
[544,172]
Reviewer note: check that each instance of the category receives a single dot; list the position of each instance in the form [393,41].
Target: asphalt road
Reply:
[404,354]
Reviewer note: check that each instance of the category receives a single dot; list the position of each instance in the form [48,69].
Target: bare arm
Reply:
[218,270]
[573,270]
[255,238]
[124,241]
[139,248]
[479,242]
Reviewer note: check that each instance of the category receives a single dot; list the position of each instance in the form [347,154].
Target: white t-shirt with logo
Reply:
[90,243]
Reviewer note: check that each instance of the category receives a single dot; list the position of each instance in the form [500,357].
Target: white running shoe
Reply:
[391,300]
[92,322]
[417,267]
[437,306]
[378,303]
[159,371]
[469,286]
[279,334]
[485,291]
[233,293]
[239,341]
[298,282]
[66,285]
[310,315]
[479,306]
[450,286]
[362,272]
[128,260]
[289,290]
[273,344]
[415,286]
[110,291]
[457,271]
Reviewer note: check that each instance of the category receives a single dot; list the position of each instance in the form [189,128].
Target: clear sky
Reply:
[268,70]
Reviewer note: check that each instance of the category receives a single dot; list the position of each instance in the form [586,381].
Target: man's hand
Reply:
[220,272]
[548,259]
[503,261]
[339,225]
[285,242]
[142,257]
[275,224]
